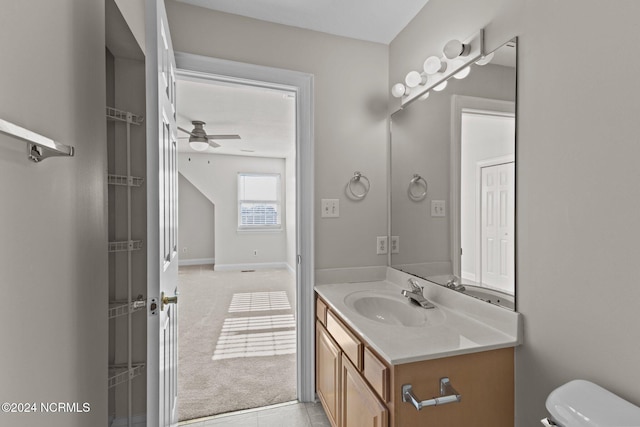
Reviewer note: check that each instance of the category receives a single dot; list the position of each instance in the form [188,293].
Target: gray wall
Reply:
[216,176]
[197,218]
[350,133]
[53,256]
[577,151]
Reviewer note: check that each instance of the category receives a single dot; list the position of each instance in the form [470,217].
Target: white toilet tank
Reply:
[581,403]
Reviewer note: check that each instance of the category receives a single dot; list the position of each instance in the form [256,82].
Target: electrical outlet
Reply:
[395,244]
[330,208]
[438,208]
[381,245]
[184,250]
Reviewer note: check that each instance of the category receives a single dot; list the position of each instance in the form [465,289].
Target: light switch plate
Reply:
[330,208]
[438,208]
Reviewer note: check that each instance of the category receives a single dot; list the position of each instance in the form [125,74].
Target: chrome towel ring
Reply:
[358,177]
[417,181]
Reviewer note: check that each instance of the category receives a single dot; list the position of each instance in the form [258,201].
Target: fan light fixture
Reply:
[198,145]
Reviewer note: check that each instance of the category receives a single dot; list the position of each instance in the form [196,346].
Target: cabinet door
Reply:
[328,373]
[359,405]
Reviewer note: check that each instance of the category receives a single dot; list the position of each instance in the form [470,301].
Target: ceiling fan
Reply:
[199,140]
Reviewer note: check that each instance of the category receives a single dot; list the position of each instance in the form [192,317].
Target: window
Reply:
[259,201]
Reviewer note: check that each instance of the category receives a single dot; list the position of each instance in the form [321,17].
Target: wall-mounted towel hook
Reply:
[358,177]
[417,181]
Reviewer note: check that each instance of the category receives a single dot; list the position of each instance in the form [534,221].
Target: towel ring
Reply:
[415,181]
[357,177]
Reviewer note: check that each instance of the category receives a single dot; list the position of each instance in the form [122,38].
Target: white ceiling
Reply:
[373,20]
[264,118]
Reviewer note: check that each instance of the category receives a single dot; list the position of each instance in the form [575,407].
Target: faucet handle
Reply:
[415,285]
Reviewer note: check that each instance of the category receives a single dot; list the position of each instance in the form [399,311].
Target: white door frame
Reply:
[459,104]
[207,68]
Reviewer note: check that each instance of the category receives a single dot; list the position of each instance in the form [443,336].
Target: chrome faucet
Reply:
[415,294]
[454,283]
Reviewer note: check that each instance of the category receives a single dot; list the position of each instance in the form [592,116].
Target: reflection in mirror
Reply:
[453,182]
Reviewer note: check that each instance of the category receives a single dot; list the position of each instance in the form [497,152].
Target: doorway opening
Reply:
[487,199]
[237,246]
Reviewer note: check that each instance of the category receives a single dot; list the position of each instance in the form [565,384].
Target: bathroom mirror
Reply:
[453,182]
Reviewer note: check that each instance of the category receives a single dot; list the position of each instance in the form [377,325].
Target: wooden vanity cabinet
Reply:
[328,373]
[357,388]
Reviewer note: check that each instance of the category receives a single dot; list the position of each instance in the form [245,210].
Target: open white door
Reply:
[162,260]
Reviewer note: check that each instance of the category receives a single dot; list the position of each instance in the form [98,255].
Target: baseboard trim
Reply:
[197,261]
[254,266]
[136,421]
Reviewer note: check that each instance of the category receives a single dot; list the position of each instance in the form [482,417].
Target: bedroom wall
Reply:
[216,177]
[196,225]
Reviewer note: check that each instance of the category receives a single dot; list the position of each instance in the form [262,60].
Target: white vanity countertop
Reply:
[472,327]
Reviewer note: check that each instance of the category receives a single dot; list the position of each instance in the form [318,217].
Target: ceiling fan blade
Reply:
[223,136]
[186,131]
[214,144]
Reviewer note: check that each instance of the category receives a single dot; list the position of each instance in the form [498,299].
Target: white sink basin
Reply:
[391,308]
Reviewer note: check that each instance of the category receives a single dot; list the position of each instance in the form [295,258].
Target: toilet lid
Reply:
[581,403]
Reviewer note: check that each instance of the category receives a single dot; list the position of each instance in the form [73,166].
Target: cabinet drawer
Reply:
[376,373]
[321,311]
[350,344]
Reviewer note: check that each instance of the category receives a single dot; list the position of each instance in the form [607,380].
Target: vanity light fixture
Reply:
[455,48]
[434,65]
[456,57]
[484,60]
[399,90]
[441,86]
[415,79]
[462,73]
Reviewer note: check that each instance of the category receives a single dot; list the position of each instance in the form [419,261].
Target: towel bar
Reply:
[40,147]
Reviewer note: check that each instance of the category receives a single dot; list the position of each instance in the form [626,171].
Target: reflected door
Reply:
[497,210]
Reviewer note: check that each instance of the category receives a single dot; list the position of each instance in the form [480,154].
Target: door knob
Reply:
[167,300]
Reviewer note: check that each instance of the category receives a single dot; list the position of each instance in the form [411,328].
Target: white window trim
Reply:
[278,201]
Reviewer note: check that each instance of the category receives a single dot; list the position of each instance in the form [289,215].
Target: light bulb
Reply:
[455,48]
[462,73]
[415,78]
[399,90]
[440,87]
[433,65]
[199,145]
[423,97]
[485,59]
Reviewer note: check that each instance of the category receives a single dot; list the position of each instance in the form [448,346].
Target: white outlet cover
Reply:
[438,208]
[382,246]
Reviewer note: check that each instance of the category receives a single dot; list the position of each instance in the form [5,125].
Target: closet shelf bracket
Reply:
[131,181]
[127,245]
[39,147]
[119,374]
[123,116]
[121,308]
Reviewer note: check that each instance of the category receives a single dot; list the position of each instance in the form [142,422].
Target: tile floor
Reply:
[290,414]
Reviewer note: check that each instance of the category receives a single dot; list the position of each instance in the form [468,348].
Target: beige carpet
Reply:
[236,340]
